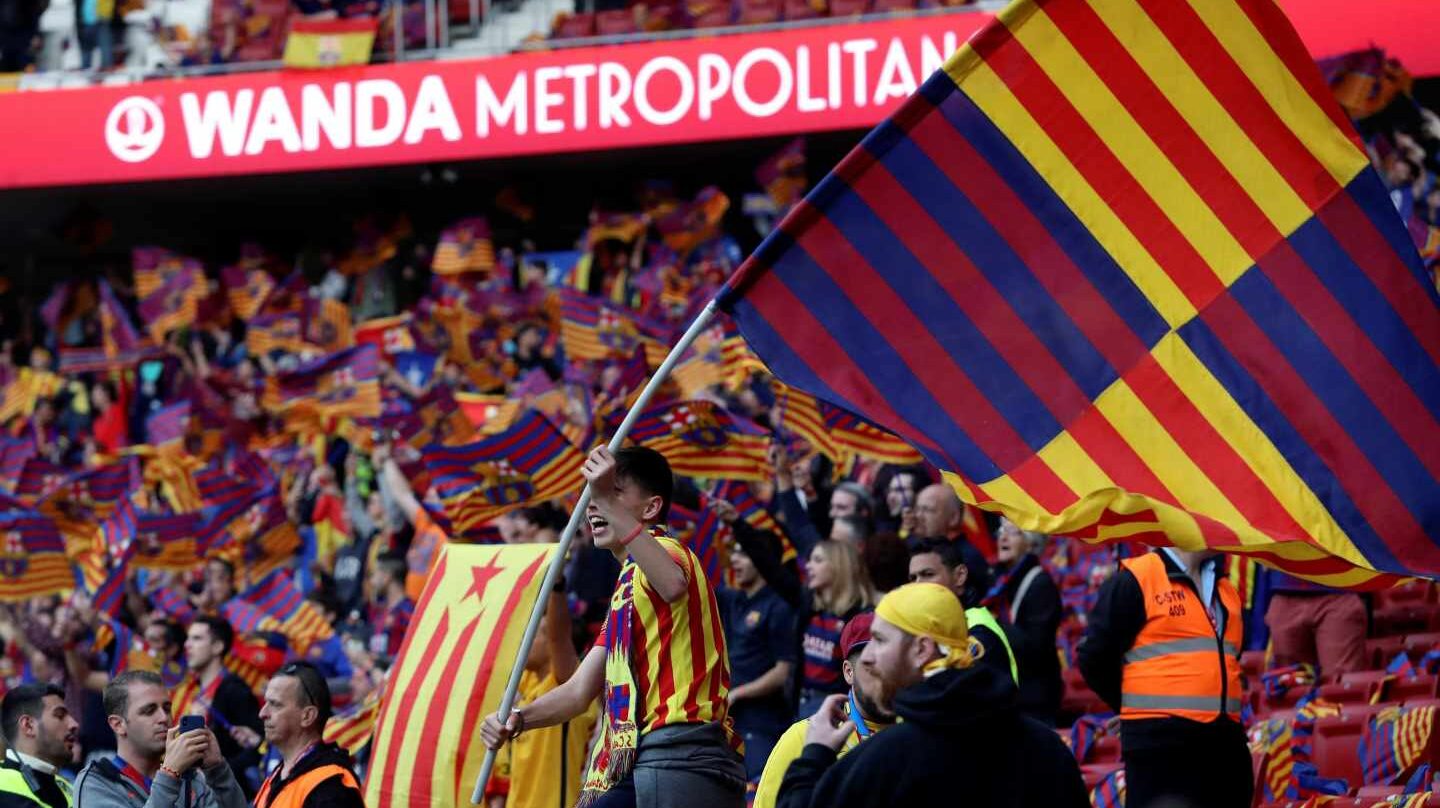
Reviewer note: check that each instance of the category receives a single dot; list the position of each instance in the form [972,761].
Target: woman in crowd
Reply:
[1026,600]
[838,588]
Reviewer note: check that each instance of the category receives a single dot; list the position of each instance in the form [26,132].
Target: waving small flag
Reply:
[490,413]
[32,557]
[327,325]
[277,596]
[341,384]
[451,672]
[247,290]
[166,427]
[702,439]
[783,175]
[330,43]
[527,463]
[174,304]
[166,542]
[389,335]
[280,331]
[156,266]
[749,507]
[352,729]
[703,532]
[464,247]
[853,434]
[593,329]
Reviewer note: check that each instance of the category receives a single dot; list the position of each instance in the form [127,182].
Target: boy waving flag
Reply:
[660,663]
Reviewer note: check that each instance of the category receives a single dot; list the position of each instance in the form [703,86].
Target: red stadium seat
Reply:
[571,26]
[1347,693]
[1418,644]
[848,8]
[1334,748]
[1406,618]
[615,22]
[1381,650]
[759,12]
[805,9]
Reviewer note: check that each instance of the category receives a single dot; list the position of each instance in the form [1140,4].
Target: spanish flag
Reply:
[330,43]
[451,672]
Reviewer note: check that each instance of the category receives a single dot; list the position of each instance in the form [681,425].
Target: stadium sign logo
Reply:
[135,129]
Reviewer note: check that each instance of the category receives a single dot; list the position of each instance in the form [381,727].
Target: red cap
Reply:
[856,633]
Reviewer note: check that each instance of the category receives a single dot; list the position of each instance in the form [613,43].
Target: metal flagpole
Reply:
[507,702]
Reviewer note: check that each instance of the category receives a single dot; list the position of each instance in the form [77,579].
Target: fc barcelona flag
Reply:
[855,435]
[464,247]
[1124,272]
[247,289]
[451,672]
[155,266]
[166,427]
[703,439]
[174,304]
[278,331]
[32,557]
[702,531]
[166,542]
[346,383]
[277,596]
[528,463]
[593,329]
[327,325]
[352,729]
[389,335]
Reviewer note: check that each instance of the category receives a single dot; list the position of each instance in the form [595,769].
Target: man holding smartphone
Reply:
[156,763]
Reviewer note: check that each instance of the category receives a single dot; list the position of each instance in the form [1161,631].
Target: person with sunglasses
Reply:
[312,773]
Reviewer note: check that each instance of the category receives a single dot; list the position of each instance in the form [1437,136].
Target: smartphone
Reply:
[190,723]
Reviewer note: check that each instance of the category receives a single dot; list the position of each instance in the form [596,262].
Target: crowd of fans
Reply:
[297,493]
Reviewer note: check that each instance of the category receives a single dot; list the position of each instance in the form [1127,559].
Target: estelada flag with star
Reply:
[451,672]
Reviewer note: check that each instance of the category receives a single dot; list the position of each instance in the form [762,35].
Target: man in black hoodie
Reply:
[961,737]
[312,774]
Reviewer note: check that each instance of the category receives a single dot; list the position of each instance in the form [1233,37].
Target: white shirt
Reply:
[1206,583]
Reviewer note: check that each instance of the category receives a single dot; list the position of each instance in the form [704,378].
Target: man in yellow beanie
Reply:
[960,737]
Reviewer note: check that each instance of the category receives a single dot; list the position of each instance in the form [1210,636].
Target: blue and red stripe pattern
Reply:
[528,463]
[701,439]
[1124,271]
[32,557]
[278,596]
[345,383]
[166,426]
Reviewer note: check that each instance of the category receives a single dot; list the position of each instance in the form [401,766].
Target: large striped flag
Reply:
[1123,271]
[464,247]
[174,304]
[451,672]
[346,383]
[703,439]
[526,464]
[32,557]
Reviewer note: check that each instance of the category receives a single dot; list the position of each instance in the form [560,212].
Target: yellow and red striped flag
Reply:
[354,728]
[451,672]
[464,247]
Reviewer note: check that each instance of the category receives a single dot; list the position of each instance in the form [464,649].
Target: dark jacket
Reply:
[332,793]
[961,741]
[235,702]
[1114,623]
[49,789]
[1032,637]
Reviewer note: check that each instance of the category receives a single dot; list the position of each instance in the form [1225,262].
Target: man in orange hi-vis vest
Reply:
[1163,649]
[312,772]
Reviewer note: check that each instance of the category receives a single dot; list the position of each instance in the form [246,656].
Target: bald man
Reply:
[940,514]
[960,733]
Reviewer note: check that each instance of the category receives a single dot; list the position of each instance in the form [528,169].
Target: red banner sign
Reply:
[744,85]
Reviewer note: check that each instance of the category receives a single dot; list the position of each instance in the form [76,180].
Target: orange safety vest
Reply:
[294,793]
[1178,667]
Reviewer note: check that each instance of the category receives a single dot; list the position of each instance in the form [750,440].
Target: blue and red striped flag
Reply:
[165,428]
[591,328]
[528,463]
[173,604]
[247,289]
[39,478]
[14,453]
[154,266]
[174,304]
[166,542]
[703,532]
[277,596]
[1128,270]
[464,247]
[32,557]
[280,331]
[703,439]
[346,383]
